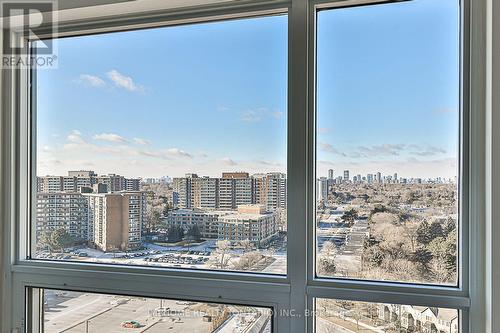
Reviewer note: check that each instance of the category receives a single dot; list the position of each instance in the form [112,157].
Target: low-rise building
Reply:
[207,221]
[249,222]
[252,222]
[421,318]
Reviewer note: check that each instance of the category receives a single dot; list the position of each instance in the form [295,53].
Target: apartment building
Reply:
[204,192]
[243,189]
[132,184]
[227,193]
[116,219]
[207,221]
[113,182]
[182,189]
[110,221]
[84,178]
[230,191]
[250,222]
[235,188]
[68,211]
[270,190]
[76,180]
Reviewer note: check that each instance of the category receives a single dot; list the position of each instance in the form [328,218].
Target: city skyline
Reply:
[203,116]
[133,183]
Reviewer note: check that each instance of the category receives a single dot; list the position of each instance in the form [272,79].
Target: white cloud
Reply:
[427,151]
[123,81]
[269,163]
[228,161]
[256,115]
[151,153]
[381,150]
[324,130]
[75,137]
[142,142]
[251,116]
[110,137]
[178,152]
[328,148]
[92,80]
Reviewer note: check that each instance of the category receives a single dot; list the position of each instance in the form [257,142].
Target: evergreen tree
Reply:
[193,233]
[175,234]
[436,230]
[424,235]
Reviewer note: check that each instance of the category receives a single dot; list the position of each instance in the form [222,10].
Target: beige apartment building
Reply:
[232,190]
[116,219]
[249,222]
[204,192]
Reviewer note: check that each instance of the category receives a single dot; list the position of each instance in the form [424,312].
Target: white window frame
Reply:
[300,287]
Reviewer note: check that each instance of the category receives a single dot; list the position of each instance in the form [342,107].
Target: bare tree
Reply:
[220,257]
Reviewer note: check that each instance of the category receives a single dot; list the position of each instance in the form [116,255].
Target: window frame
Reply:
[458,297]
[300,287]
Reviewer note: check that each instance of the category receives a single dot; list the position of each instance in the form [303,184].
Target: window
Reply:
[245,166]
[341,316]
[69,311]
[388,142]
[162,163]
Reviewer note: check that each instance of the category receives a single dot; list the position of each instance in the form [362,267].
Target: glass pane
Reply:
[338,316]
[166,147]
[388,142]
[76,312]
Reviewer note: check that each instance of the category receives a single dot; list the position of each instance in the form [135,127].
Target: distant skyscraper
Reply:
[369,178]
[346,175]
[395,177]
[323,188]
[379,177]
[330,174]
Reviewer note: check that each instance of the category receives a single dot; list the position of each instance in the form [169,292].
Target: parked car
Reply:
[131,324]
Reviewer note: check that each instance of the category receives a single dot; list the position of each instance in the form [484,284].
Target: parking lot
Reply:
[73,312]
[84,313]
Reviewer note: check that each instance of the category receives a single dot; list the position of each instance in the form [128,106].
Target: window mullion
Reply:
[298,160]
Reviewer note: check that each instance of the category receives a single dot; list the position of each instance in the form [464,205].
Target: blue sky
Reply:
[202,98]
[388,89]
[208,98]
